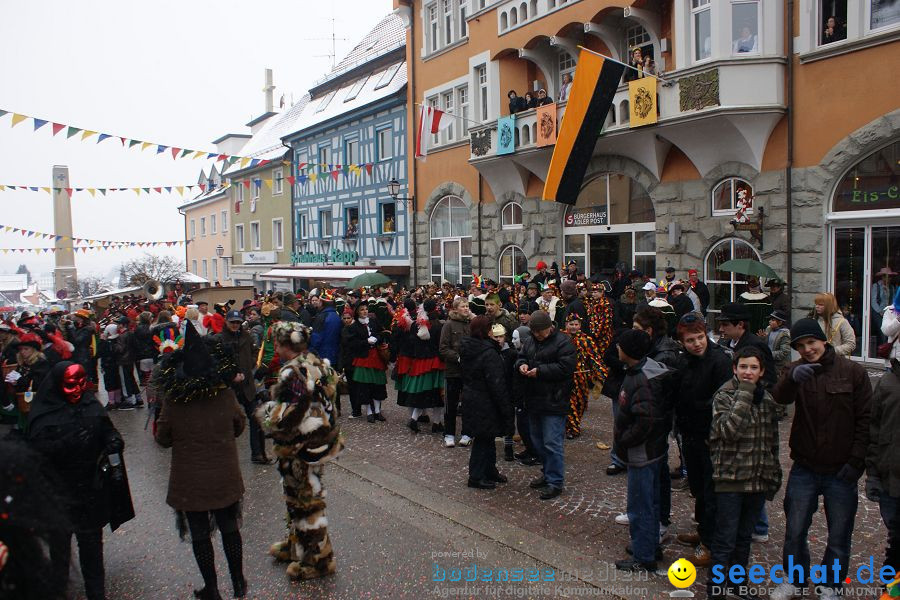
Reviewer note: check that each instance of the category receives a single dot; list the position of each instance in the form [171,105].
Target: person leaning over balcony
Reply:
[530,100]
[543,99]
[829,440]
[516,104]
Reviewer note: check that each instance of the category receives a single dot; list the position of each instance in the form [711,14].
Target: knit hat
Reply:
[806,328]
[540,321]
[541,265]
[634,343]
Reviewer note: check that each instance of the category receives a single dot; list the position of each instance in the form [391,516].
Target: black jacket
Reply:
[517,104]
[82,339]
[682,305]
[485,397]
[644,420]
[616,376]
[554,358]
[358,338]
[142,344]
[697,383]
[623,314]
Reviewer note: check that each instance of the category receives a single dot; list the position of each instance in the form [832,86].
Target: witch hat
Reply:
[197,359]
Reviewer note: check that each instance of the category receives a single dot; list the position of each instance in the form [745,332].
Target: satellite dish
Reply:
[62,294]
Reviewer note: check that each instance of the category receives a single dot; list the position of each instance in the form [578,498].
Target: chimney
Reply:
[270,102]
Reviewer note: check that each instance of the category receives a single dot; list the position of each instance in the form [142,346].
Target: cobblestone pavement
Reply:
[582,517]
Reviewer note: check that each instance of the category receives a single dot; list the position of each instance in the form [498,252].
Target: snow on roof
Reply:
[385,36]
[13,283]
[266,144]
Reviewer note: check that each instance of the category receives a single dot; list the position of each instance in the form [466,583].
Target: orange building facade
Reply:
[748,115]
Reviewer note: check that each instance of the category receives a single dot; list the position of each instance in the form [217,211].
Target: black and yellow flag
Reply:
[593,88]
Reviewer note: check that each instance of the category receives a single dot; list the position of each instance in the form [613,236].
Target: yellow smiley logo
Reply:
[682,573]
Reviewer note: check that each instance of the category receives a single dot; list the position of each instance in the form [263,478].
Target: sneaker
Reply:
[465,440]
[760,538]
[622,519]
[784,591]
[614,469]
[630,564]
[688,539]
[449,441]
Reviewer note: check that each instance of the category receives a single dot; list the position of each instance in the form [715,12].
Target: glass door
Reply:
[452,261]
[849,279]
[884,261]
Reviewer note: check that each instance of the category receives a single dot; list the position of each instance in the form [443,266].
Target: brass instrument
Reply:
[153,290]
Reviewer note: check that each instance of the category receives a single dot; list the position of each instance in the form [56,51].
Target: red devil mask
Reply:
[74,382]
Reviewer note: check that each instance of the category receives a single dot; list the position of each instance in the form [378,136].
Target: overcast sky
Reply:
[179,73]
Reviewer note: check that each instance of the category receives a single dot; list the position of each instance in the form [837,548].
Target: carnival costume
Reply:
[300,419]
[600,326]
[589,369]
[420,370]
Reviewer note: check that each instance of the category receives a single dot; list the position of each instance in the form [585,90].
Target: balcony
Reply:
[735,103]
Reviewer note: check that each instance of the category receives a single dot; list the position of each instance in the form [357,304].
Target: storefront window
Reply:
[724,286]
[451,241]
[873,184]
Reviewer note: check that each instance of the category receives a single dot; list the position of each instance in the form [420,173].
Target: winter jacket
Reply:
[702,292]
[667,352]
[289,315]
[831,420]
[780,302]
[839,333]
[682,305]
[564,309]
[257,332]
[241,345]
[142,343]
[554,358]
[83,340]
[205,473]
[696,385]
[890,327]
[643,422]
[326,336]
[779,342]
[616,375]
[883,455]
[623,314]
[743,441]
[33,375]
[358,337]
[485,397]
[509,322]
[455,329]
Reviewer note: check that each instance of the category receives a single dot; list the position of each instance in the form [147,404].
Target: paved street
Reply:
[397,500]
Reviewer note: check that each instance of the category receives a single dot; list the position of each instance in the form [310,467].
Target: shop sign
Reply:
[259,257]
[347,257]
[593,216]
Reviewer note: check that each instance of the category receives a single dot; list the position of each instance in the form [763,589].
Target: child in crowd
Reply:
[743,445]
[778,336]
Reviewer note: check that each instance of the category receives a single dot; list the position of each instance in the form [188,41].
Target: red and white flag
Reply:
[431,121]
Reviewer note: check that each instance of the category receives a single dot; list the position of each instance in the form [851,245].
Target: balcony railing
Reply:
[737,83]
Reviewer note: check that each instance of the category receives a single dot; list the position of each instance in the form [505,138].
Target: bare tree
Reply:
[150,266]
[23,270]
[88,286]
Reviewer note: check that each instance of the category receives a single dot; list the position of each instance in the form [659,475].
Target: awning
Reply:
[188,277]
[323,274]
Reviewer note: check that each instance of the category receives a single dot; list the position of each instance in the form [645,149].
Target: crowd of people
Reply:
[515,361]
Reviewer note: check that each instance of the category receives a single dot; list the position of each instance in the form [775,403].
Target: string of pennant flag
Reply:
[75,249]
[90,242]
[97,137]
[93,191]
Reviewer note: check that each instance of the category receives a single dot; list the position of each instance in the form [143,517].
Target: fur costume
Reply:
[300,419]
[589,369]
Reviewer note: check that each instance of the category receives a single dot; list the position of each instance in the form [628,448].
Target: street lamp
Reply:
[393,188]
[220,250]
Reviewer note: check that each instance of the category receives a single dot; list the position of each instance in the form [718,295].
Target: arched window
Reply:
[512,262]
[513,17]
[511,216]
[504,21]
[533,8]
[624,112]
[451,241]
[725,287]
[523,10]
[526,134]
[730,194]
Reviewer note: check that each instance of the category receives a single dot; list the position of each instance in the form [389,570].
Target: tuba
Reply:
[153,289]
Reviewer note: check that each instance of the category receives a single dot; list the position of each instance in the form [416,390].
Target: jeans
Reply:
[454,393]
[257,441]
[699,474]
[643,509]
[665,491]
[523,425]
[614,458]
[890,514]
[482,458]
[737,514]
[762,524]
[547,433]
[801,500]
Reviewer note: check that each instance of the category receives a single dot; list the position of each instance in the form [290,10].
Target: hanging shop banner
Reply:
[506,134]
[546,125]
[642,101]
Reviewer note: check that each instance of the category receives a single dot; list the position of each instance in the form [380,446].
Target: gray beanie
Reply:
[540,321]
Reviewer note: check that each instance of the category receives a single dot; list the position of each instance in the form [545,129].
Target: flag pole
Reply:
[626,65]
[450,114]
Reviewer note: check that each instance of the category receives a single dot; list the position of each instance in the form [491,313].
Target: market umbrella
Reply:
[748,266]
[367,280]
